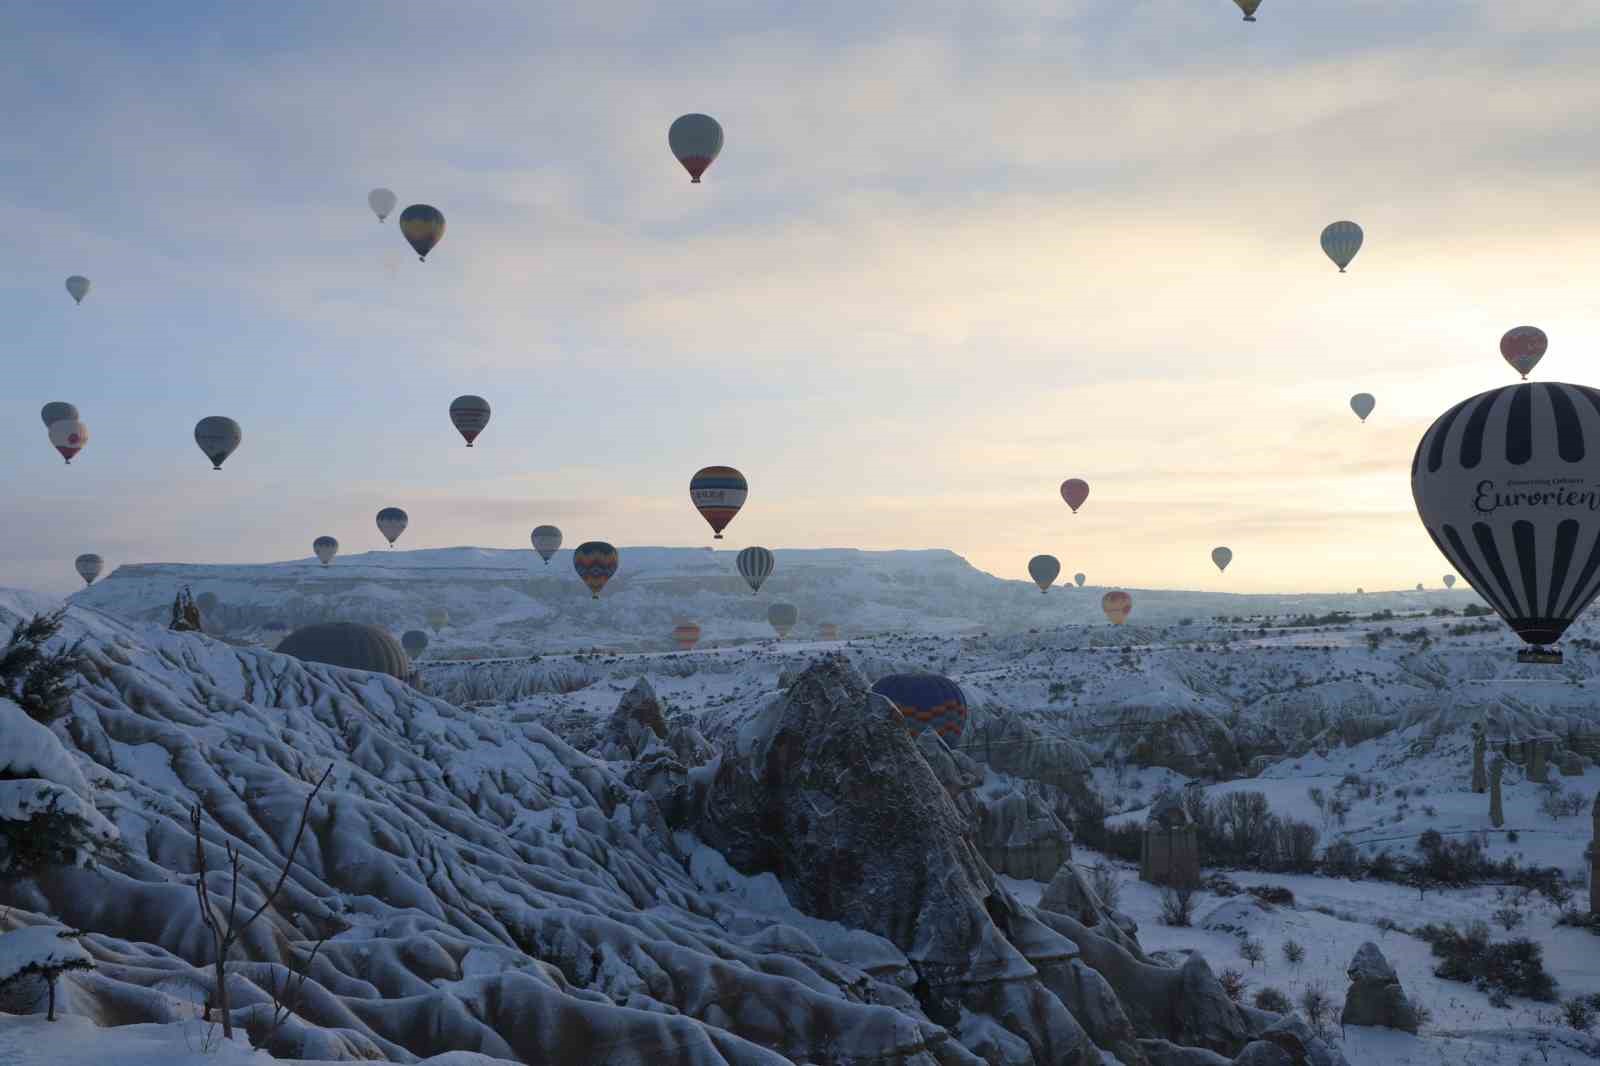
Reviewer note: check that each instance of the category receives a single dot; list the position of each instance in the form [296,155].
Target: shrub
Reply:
[1106,883]
[1233,984]
[1177,906]
[1507,917]
[1580,1012]
[1317,1005]
[1341,859]
[1271,999]
[1512,968]
[1277,895]
[1293,952]
[1252,951]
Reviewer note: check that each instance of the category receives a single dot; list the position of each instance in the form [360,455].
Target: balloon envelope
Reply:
[78,287]
[381,201]
[782,617]
[423,227]
[696,140]
[1341,241]
[469,414]
[828,631]
[717,493]
[1222,557]
[89,566]
[546,541]
[57,411]
[69,437]
[438,618]
[926,701]
[1249,8]
[1074,491]
[687,635]
[218,438]
[1506,484]
[1079,579]
[1116,605]
[1362,404]
[596,562]
[391,523]
[1523,347]
[1449,581]
[326,548]
[415,642]
[755,566]
[1043,569]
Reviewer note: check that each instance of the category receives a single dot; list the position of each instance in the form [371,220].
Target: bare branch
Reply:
[288,862]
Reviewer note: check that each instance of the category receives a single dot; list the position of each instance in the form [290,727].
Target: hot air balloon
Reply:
[1074,491]
[828,631]
[1222,557]
[926,701]
[717,493]
[1362,404]
[1249,8]
[546,540]
[415,642]
[1116,604]
[695,140]
[1360,591]
[218,437]
[382,201]
[595,561]
[469,414]
[1504,483]
[1341,241]
[78,287]
[1523,347]
[57,411]
[423,227]
[1079,579]
[326,548]
[1419,586]
[88,566]
[1043,569]
[755,566]
[391,523]
[69,437]
[687,634]
[1449,581]
[438,618]
[782,617]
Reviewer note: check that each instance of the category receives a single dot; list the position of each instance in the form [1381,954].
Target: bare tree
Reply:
[287,992]
[226,930]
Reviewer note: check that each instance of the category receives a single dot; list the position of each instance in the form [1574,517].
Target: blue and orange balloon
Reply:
[927,701]
[596,563]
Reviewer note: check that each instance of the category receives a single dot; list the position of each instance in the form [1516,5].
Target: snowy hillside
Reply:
[505,602]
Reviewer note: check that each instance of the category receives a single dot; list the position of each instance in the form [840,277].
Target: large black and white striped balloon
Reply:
[1508,486]
[755,566]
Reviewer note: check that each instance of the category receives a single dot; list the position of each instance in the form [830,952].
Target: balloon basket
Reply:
[1540,655]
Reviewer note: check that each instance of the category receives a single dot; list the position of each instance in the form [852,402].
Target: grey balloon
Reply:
[782,617]
[57,411]
[391,523]
[218,437]
[326,548]
[1341,241]
[755,566]
[77,287]
[1044,570]
[1079,579]
[415,642]
[696,140]
[348,644]
[89,567]
[1362,403]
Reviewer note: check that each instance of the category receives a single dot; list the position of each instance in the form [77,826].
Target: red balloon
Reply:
[1523,347]
[1074,491]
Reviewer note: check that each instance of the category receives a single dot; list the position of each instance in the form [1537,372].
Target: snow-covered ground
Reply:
[478,869]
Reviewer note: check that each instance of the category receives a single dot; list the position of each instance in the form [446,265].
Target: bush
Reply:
[1317,1005]
[1507,917]
[1177,906]
[1512,968]
[1106,883]
[1276,895]
[1233,984]
[1271,999]
[1578,1012]
[1252,951]
[1341,859]
[1293,953]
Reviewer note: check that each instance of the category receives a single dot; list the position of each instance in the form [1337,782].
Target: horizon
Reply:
[1076,240]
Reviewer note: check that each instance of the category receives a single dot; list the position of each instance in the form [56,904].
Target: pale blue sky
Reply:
[948,258]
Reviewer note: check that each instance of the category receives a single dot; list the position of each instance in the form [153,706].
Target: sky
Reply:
[952,254]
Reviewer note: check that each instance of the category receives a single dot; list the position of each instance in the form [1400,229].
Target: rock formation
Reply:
[1170,853]
[1594,861]
[1375,997]
[1480,742]
[635,725]
[1538,759]
[185,614]
[1497,814]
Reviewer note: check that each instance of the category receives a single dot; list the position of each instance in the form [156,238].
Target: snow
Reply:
[29,749]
